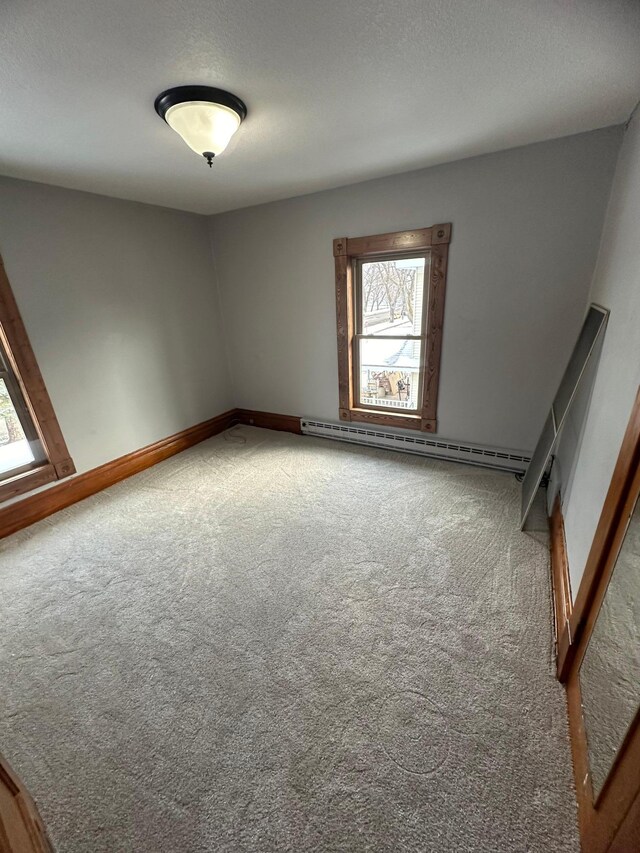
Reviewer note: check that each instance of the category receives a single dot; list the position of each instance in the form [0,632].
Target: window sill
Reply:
[27,482]
[389,419]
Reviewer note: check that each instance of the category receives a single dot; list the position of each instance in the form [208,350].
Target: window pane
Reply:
[391,302]
[15,450]
[389,373]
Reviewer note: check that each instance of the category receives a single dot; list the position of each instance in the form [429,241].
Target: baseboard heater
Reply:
[471,454]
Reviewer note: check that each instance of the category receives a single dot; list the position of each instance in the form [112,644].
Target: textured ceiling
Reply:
[338,90]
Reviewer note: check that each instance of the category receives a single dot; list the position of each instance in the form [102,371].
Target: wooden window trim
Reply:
[23,361]
[27,481]
[346,250]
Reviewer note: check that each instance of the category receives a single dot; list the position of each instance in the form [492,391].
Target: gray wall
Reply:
[526,228]
[120,308]
[616,285]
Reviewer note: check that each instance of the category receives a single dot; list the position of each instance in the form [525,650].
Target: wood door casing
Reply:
[610,819]
[21,828]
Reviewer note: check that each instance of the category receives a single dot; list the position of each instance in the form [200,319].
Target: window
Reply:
[390,292]
[32,449]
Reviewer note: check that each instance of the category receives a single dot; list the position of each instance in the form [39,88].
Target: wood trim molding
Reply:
[560,582]
[435,321]
[344,310]
[615,816]
[346,250]
[629,832]
[25,512]
[395,241]
[27,482]
[601,823]
[21,827]
[268,420]
[30,378]
[607,539]
[390,419]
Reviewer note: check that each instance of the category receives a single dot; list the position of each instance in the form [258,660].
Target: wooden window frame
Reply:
[434,242]
[22,361]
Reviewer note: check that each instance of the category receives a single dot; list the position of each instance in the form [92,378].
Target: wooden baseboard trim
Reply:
[578,738]
[561,585]
[21,827]
[269,420]
[629,830]
[25,512]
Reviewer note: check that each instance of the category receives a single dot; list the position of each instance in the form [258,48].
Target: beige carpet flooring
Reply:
[278,643]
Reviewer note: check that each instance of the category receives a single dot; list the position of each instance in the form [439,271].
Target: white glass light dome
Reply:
[204,117]
[203,126]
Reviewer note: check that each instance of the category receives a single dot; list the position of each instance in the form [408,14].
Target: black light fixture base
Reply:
[183,94]
[208,156]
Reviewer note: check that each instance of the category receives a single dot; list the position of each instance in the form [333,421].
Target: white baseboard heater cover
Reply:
[439,448]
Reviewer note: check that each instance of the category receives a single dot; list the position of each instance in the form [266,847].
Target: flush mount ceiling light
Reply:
[205,118]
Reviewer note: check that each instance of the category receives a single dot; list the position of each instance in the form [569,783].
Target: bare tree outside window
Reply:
[388,293]
[390,342]
[10,426]
[15,449]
